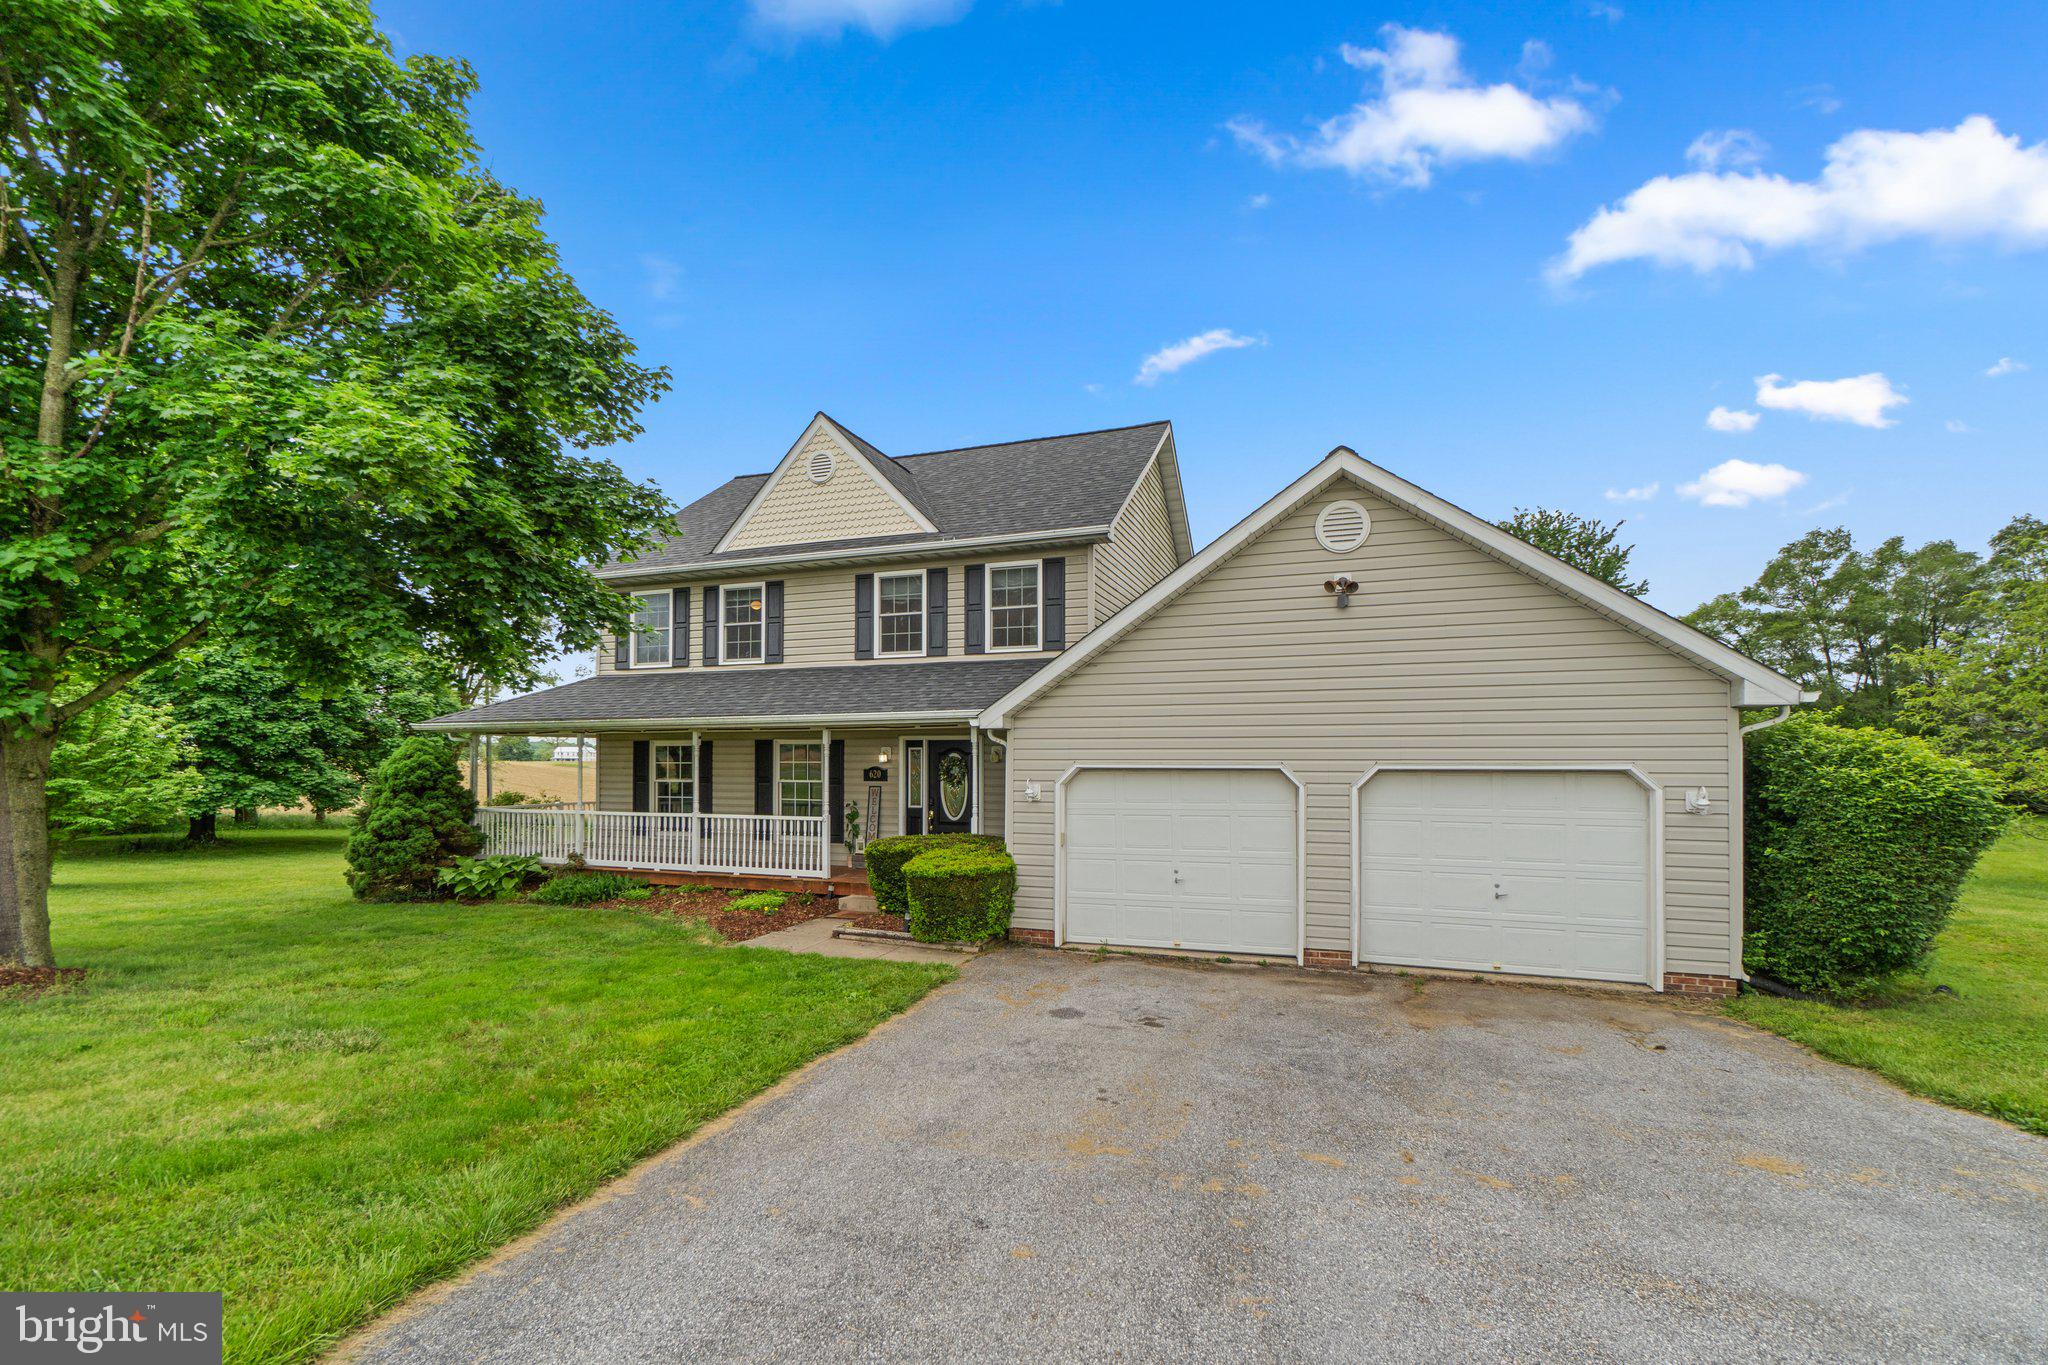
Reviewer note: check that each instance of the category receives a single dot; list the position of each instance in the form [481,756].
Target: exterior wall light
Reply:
[1342,587]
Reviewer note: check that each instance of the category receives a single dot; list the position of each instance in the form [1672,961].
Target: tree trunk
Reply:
[319,815]
[245,815]
[204,829]
[25,849]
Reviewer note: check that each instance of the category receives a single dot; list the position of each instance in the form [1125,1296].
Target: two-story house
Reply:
[828,631]
[1363,726]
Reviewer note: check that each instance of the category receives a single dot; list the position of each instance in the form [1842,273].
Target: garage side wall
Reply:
[1446,655]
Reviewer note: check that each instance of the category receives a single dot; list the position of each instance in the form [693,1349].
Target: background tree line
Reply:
[1939,641]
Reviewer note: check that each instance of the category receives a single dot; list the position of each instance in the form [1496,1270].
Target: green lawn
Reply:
[1986,1046]
[316,1106]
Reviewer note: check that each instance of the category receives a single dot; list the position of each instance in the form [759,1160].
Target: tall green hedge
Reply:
[886,859]
[414,821]
[960,893]
[1856,845]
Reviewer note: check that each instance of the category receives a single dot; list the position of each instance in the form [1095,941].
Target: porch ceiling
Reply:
[930,690]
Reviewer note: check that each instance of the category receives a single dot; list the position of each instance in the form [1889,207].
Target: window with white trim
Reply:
[899,613]
[1013,606]
[649,637]
[675,779]
[913,774]
[740,616]
[799,778]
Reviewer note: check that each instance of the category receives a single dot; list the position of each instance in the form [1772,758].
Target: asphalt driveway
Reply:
[1061,1157]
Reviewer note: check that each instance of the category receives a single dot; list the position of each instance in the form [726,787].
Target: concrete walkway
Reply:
[815,936]
[1064,1158]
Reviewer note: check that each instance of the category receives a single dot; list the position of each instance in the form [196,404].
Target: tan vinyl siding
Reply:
[732,772]
[817,609]
[1445,655]
[850,504]
[1139,551]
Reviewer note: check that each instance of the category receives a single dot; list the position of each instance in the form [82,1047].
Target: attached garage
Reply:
[1544,873]
[1193,858]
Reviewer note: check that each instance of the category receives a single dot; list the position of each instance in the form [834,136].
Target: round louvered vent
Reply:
[1342,527]
[821,466]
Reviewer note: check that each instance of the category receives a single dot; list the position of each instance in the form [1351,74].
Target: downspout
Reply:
[1784,714]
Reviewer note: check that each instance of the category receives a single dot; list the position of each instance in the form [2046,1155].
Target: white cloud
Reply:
[1738,483]
[2006,365]
[1861,399]
[1600,9]
[1732,421]
[1167,359]
[1258,201]
[1819,98]
[1428,113]
[883,18]
[1730,147]
[663,275]
[1643,494]
[1956,426]
[1947,184]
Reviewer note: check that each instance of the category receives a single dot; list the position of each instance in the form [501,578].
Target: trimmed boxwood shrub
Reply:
[886,859]
[1856,844]
[960,893]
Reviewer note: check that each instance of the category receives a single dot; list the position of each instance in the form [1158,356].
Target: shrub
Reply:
[589,888]
[482,879]
[1856,844]
[887,857]
[414,821]
[767,902]
[961,893]
[510,798]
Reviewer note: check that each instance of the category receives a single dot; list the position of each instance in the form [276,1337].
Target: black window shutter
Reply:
[1052,597]
[710,626]
[679,629]
[771,629]
[622,656]
[863,616]
[764,777]
[935,613]
[703,777]
[836,791]
[642,788]
[975,575]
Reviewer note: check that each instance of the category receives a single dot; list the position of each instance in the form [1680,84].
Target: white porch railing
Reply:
[755,845]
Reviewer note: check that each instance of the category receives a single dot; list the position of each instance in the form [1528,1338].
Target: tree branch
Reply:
[71,710]
[106,550]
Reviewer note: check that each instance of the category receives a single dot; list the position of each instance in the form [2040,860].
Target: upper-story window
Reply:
[1013,606]
[899,613]
[740,635]
[650,632]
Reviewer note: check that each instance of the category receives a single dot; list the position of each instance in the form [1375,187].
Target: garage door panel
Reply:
[1568,853]
[1202,858]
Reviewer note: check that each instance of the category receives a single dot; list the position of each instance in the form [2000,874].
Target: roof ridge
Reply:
[1033,440]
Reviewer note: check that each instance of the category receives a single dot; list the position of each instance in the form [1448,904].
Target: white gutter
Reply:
[918,549]
[542,726]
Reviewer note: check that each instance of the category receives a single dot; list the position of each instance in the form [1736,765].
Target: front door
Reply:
[949,786]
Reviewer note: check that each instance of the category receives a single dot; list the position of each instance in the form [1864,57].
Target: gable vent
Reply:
[1342,527]
[821,466]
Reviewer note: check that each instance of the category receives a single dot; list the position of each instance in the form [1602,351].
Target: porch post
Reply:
[696,799]
[825,780]
[582,820]
[489,752]
[974,778]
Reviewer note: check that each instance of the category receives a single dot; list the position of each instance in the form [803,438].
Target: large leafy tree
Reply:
[1586,543]
[280,363]
[122,766]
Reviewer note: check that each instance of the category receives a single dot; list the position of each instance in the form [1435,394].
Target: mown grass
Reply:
[316,1106]
[1986,1046]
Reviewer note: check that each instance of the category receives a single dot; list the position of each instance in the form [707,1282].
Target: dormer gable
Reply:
[831,485]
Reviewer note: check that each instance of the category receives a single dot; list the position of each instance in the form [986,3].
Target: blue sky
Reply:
[949,222]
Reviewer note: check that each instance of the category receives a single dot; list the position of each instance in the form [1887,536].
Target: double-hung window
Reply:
[740,632]
[1013,606]
[899,613]
[650,628]
[675,780]
[799,778]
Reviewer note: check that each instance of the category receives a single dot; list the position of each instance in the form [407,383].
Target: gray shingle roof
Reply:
[1050,483]
[708,694]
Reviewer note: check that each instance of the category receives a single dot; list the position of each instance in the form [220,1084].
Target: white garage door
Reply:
[1182,858]
[1543,873]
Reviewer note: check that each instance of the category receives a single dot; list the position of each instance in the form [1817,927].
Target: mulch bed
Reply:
[36,980]
[893,923]
[734,926]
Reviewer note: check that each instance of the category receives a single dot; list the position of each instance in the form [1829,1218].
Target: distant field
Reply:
[549,781]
